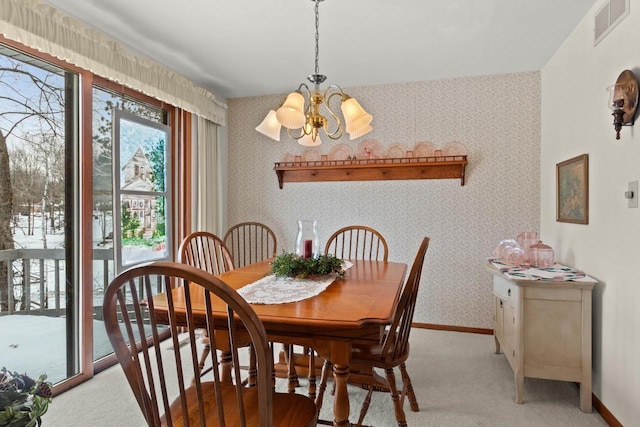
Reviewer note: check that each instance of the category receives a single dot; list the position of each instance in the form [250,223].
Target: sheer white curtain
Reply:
[208,176]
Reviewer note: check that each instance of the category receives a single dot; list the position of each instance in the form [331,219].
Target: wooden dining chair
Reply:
[250,242]
[357,242]
[391,352]
[207,252]
[352,242]
[164,376]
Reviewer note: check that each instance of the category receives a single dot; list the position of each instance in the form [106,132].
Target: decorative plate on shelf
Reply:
[340,152]
[289,157]
[312,155]
[368,149]
[423,149]
[396,151]
[454,148]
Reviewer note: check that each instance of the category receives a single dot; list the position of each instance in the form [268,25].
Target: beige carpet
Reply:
[458,380]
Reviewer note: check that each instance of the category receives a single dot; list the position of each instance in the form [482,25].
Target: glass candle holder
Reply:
[307,242]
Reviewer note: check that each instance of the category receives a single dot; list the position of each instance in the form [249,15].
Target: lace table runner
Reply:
[280,290]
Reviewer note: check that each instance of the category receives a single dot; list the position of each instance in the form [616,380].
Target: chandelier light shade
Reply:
[307,139]
[356,119]
[358,133]
[291,114]
[310,111]
[270,126]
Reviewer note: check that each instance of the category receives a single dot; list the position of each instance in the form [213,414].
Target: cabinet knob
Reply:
[509,292]
[500,303]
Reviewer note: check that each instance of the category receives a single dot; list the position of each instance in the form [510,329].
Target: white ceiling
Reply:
[242,48]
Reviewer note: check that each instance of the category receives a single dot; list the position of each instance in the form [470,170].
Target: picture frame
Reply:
[572,190]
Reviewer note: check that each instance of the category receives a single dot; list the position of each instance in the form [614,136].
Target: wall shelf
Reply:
[443,167]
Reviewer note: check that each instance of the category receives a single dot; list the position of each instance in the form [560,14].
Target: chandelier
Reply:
[301,111]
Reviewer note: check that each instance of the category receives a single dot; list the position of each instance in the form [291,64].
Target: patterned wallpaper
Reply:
[496,117]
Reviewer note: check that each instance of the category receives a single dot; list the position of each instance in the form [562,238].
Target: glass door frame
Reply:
[172,147]
[180,150]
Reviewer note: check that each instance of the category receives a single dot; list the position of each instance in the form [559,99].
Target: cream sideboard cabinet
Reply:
[544,329]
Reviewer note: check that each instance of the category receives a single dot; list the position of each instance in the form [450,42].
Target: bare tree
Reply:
[6,204]
[26,179]
[31,103]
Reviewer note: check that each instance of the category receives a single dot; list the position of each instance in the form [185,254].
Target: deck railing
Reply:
[37,279]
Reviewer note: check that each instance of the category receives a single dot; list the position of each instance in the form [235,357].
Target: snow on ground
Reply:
[36,345]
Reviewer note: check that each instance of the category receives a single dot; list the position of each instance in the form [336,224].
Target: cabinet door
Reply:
[509,328]
[498,320]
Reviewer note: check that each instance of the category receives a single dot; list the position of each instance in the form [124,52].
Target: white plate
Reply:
[312,155]
[340,152]
[454,148]
[423,149]
[396,151]
[368,149]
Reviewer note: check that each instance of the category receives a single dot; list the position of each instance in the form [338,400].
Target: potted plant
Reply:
[23,400]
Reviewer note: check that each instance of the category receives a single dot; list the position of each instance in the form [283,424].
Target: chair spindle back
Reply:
[357,242]
[397,338]
[250,242]
[158,372]
[206,251]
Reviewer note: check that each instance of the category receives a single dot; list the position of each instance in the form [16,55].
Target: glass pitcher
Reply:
[307,242]
[526,239]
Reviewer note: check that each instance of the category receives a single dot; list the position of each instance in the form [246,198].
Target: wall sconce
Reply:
[623,100]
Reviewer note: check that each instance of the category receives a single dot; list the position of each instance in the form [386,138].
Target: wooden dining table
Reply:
[351,310]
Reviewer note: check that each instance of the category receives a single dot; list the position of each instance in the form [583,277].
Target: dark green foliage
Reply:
[129,223]
[23,401]
[292,265]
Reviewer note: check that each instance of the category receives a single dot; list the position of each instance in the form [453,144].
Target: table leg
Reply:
[340,355]
[225,366]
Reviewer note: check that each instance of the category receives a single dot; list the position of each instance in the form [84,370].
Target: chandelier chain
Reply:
[317,36]
[304,108]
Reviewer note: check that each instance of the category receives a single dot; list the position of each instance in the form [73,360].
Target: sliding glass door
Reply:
[50,301]
[130,146]
[39,284]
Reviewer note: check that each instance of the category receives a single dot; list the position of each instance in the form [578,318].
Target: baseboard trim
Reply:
[467,329]
[604,412]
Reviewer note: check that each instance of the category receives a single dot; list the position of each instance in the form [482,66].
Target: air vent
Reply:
[608,16]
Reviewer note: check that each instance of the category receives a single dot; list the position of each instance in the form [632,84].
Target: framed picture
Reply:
[572,190]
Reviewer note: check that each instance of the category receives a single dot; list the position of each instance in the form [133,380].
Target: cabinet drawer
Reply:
[505,290]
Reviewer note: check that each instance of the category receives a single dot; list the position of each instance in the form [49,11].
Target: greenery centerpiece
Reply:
[292,265]
[23,400]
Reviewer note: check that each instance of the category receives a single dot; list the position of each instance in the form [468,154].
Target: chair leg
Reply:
[273,371]
[365,406]
[407,389]
[205,352]
[292,375]
[312,374]
[253,370]
[400,416]
[326,371]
